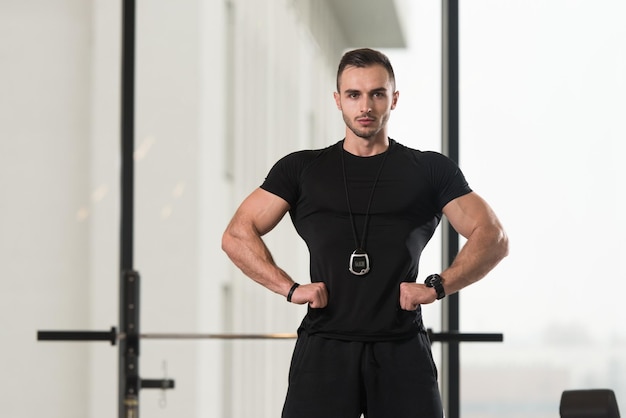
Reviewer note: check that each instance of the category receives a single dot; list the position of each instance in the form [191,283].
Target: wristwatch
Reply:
[435,281]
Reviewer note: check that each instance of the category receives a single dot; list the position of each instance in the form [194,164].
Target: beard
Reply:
[364,132]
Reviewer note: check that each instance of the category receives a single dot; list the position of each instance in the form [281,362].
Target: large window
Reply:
[542,88]
[542,139]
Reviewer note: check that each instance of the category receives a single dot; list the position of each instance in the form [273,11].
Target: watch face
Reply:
[435,281]
[432,280]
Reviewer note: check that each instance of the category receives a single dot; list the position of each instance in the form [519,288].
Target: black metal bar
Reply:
[222,336]
[157,384]
[129,358]
[110,336]
[128,127]
[448,337]
[128,379]
[450,147]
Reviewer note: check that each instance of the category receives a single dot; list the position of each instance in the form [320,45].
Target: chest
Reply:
[393,187]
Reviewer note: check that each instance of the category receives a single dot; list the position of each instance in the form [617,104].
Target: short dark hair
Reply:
[365,57]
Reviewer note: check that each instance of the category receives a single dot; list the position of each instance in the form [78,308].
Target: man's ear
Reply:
[337,100]
[394,99]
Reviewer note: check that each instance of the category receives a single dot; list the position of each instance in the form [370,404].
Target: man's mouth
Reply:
[365,120]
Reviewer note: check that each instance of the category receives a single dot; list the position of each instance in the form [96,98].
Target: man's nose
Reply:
[366,106]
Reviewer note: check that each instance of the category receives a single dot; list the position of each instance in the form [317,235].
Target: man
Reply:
[366,207]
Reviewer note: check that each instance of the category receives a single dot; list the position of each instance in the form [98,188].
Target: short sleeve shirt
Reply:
[331,193]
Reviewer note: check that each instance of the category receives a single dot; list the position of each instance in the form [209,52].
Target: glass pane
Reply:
[542,103]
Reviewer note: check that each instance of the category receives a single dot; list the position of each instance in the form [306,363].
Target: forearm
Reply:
[249,253]
[484,249]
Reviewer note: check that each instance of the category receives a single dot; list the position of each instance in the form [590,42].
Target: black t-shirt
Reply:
[405,210]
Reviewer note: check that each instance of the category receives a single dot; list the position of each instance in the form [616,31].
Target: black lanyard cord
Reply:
[369,204]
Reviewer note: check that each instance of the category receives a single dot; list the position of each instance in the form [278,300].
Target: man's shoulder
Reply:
[304,157]
[311,153]
[286,176]
[422,156]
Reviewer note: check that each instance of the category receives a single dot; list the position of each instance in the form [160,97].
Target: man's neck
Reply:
[365,147]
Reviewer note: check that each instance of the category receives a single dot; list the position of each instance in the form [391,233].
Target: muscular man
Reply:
[366,207]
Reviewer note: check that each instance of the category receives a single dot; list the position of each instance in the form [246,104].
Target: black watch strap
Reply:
[435,281]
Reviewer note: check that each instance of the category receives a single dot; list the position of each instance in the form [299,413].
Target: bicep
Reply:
[261,210]
[469,212]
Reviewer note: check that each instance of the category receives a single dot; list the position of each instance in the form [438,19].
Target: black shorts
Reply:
[344,379]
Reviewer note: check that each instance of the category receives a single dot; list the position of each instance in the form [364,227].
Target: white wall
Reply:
[44,130]
[60,183]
